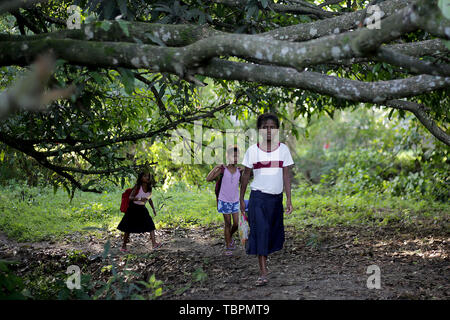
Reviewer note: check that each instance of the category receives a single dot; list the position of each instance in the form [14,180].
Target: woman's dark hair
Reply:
[138,180]
[267,116]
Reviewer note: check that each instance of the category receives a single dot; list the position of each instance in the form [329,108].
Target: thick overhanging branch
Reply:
[301,8]
[186,50]
[358,91]
[185,34]
[413,64]
[317,29]
[380,92]
[164,60]
[406,54]
[111,31]
[360,43]
[420,48]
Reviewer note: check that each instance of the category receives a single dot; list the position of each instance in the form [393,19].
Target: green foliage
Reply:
[64,293]
[11,286]
[154,286]
[125,284]
[181,206]
[33,214]
[369,154]
[199,275]
[430,182]
[317,207]
[112,104]
[364,171]
[444,5]
[357,171]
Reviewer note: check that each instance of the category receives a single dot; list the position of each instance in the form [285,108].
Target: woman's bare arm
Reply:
[287,188]
[214,173]
[244,182]
[133,194]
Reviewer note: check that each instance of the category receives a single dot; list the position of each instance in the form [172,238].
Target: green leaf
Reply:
[155,39]
[251,12]
[124,26]
[59,63]
[264,3]
[390,114]
[127,77]
[97,77]
[158,292]
[107,247]
[444,5]
[376,68]
[447,43]
[105,25]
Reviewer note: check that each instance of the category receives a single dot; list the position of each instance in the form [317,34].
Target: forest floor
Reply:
[330,263]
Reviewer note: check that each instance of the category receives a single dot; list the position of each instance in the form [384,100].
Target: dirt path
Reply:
[327,264]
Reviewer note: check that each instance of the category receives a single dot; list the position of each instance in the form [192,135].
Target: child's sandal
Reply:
[262,281]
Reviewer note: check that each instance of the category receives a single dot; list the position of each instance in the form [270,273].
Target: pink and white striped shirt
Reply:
[267,167]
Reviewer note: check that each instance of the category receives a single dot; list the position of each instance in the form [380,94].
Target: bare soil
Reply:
[325,264]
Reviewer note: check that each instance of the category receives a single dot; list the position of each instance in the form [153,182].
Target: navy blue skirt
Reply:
[136,220]
[265,219]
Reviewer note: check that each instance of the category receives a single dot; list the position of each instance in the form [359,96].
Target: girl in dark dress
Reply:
[137,218]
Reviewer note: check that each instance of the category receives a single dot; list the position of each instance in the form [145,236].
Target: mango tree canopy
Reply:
[138,67]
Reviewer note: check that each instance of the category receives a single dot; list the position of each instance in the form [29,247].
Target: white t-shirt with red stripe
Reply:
[267,167]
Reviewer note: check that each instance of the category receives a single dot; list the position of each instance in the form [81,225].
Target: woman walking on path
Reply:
[270,162]
[137,218]
[228,197]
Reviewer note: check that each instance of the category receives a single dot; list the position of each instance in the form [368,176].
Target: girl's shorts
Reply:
[228,207]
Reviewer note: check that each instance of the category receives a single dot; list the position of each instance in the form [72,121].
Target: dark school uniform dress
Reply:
[265,207]
[137,219]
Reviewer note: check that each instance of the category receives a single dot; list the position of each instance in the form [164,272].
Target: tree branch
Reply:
[177,60]
[182,35]
[10,6]
[335,25]
[419,111]
[352,90]
[136,137]
[411,63]
[300,8]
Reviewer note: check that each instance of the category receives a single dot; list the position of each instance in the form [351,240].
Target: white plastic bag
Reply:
[243,229]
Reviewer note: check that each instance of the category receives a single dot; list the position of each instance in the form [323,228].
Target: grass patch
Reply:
[36,214]
[372,209]
[33,214]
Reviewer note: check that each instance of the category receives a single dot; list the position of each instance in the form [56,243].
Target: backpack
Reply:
[219,181]
[125,200]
